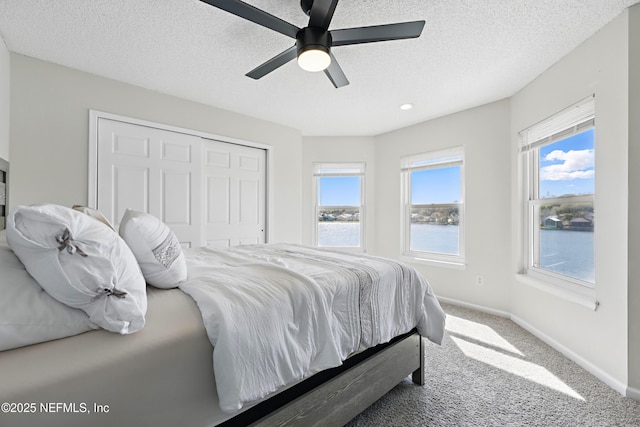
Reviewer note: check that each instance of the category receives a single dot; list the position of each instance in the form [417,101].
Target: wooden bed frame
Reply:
[335,396]
[331,397]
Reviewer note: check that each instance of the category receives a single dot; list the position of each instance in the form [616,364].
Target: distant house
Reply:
[581,224]
[552,222]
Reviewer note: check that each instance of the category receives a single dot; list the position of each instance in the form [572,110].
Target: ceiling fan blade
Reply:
[321,13]
[335,73]
[275,62]
[253,14]
[377,33]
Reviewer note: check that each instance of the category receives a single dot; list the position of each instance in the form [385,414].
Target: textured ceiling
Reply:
[471,52]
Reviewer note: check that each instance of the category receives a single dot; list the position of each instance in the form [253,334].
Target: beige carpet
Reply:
[491,372]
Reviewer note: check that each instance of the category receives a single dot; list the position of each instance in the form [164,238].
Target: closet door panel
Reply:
[151,170]
[209,192]
[235,200]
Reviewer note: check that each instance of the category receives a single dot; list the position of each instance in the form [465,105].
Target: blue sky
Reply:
[339,191]
[440,185]
[567,166]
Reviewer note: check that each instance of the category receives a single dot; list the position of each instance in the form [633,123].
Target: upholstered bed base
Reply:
[163,376]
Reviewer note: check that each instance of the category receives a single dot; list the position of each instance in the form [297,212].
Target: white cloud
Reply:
[575,164]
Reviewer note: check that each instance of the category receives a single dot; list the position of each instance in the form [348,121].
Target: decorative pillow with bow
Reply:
[80,262]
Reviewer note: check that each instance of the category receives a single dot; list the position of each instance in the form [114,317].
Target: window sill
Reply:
[585,298]
[350,249]
[433,262]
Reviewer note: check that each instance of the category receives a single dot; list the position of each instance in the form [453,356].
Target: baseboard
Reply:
[480,308]
[633,393]
[616,385]
[582,362]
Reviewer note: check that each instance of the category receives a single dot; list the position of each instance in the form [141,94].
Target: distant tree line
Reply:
[339,215]
[439,215]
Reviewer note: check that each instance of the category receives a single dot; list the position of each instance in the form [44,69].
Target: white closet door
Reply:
[234,194]
[150,170]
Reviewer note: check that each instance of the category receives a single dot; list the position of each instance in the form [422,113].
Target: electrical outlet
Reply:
[479,280]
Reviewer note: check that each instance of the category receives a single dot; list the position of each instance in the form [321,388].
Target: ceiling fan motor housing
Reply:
[306,6]
[313,38]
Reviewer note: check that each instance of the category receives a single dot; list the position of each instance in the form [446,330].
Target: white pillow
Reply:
[81,263]
[156,248]
[94,213]
[28,315]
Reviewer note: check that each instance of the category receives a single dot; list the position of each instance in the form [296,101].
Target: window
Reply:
[434,205]
[339,206]
[558,167]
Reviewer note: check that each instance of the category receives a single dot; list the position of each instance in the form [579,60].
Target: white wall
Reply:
[50,129]
[484,133]
[600,65]
[634,202]
[49,137]
[338,149]
[606,341]
[5,83]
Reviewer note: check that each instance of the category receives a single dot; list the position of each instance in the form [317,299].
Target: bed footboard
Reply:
[344,396]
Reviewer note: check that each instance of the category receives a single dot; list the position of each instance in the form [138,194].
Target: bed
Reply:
[163,375]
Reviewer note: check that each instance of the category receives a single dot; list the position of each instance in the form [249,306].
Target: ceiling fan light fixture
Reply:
[314,60]
[313,46]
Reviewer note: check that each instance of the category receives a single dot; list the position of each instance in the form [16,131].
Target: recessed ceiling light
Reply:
[406,106]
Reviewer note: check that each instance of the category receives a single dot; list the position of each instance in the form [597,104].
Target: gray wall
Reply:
[484,133]
[597,339]
[634,202]
[50,129]
[5,82]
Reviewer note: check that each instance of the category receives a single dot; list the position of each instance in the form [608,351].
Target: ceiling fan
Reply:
[314,42]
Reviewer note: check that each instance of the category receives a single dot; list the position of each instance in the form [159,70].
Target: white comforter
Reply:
[278,313]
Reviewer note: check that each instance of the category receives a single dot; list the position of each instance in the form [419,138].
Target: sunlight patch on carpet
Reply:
[515,366]
[479,332]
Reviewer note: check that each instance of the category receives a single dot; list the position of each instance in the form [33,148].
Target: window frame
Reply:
[448,157]
[571,121]
[339,169]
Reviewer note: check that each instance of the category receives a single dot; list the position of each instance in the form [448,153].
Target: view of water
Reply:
[442,239]
[569,253]
[339,234]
